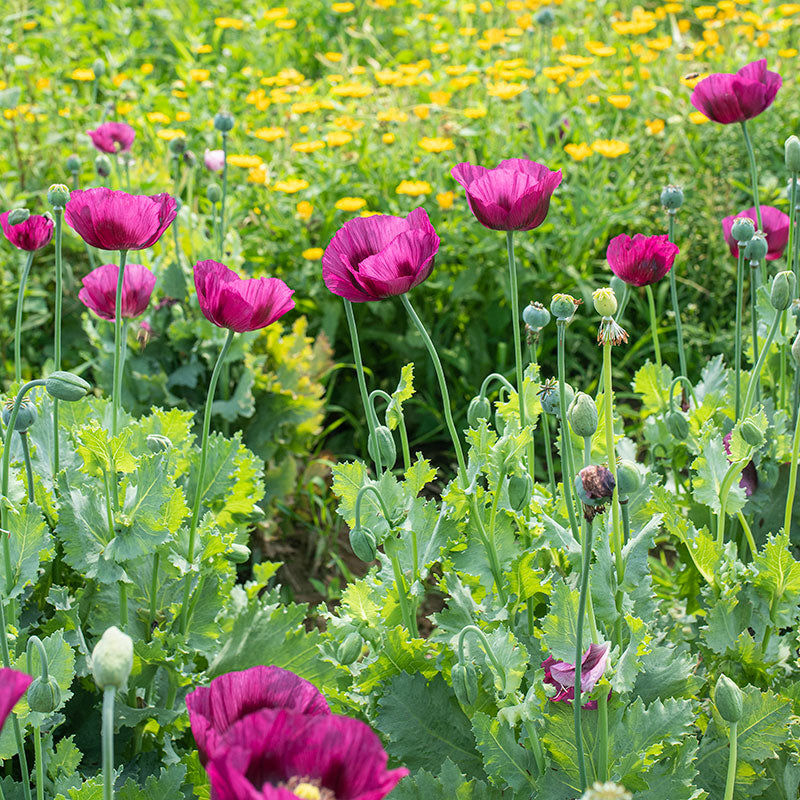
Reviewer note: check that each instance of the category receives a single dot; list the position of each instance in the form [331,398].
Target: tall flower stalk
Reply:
[672,199]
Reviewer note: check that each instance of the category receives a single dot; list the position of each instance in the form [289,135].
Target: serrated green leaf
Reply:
[29,540]
[559,626]
[505,761]
[418,474]
[404,390]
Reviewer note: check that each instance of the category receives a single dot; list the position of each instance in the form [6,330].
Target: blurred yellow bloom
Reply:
[600,49]
[271,14]
[243,160]
[422,112]
[182,116]
[316,253]
[333,56]
[304,210]
[269,134]
[693,79]
[440,47]
[352,90]
[199,75]
[350,203]
[29,25]
[392,115]
[387,138]
[291,186]
[338,138]
[440,98]
[558,42]
[229,22]
[286,24]
[698,117]
[42,84]
[413,188]
[436,144]
[146,68]
[705,12]
[257,174]
[610,148]
[790,52]
[619,100]
[168,134]
[158,117]
[308,147]
[592,98]
[343,8]
[445,200]
[654,126]
[506,91]
[578,151]
[82,75]
[575,61]
[119,79]
[202,49]
[475,113]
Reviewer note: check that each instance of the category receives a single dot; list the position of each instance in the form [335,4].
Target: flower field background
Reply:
[259,542]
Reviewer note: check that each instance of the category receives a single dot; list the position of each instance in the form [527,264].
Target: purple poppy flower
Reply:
[776,228]
[641,260]
[215,708]
[33,234]
[113,220]
[514,196]
[99,292]
[239,304]
[113,137]
[749,479]
[281,755]
[727,98]
[561,674]
[372,258]
[13,685]
[214,160]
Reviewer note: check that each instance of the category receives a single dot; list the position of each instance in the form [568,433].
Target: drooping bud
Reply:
[549,397]
[756,248]
[535,315]
[629,480]
[479,408]
[73,162]
[796,349]
[672,198]
[17,215]
[102,165]
[99,67]
[350,649]
[381,446]
[465,683]
[44,696]
[237,554]
[112,659]
[519,491]
[563,306]
[728,699]
[582,415]
[792,153]
[743,229]
[26,415]
[783,285]
[156,443]
[213,193]
[362,541]
[678,425]
[605,302]
[751,433]
[223,121]
[594,485]
[66,386]
[57,195]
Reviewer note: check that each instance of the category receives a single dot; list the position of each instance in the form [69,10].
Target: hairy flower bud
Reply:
[73,162]
[26,415]
[751,433]
[796,349]
[156,443]
[350,649]
[99,67]
[17,215]
[519,491]
[237,554]
[57,195]
[728,699]
[792,152]
[535,315]
[213,193]
[783,285]
[223,121]
[582,415]
[44,696]
[112,659]
[563,306]
[66,386]
[605,301]
[479,408]
[362,541]
[465,683]
[381,446]
[102,165]
[678,425]
[629,480]
[672,197]
[743,229]
[756,248]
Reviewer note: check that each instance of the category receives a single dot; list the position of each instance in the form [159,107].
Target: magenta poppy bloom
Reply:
[214,160]
[749,479]
[239,304]
[514,196]
[214,709]
[776,229]
[641,260]
[113,220]
[113,137]
[13,685]
[727,98]
[33,234]
[561,674]
[372,258]
[280,755]
[99,292]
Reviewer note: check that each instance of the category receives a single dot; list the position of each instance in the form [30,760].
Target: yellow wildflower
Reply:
[350,203]
[304,210]
[654,126]
[619,100]
[698,118]
[475,113]
[445,200]
[610,148]
[199,75]
[316,253]
[343,8]
[168,134]
[243,160]
[82,75]
[413,188]
[229,22]
[146,68]
[387,138]
[578,151]
[436,144]
[291,186]
[308,147]
[338,138]
[269,134]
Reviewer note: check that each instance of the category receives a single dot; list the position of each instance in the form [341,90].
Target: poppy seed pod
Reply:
[223,121]
[672,197]
[535,315]
[99,68]
[350,649]
[73,162]
[102,165]
[362,541]
[582,415]
[157,443]
[563,306]
[792,153]
[66,386]
[190,159]
[213,193]
[519,491]
[796,350]
[743,229]
[112,659]
[465,683]
[545,17]
[728,699]
[479,408]
[605,302]
[381,446]
[549,398]
[756,248]
[783,285]
[17,216]
[58,195]
[178,145]
[629,479]
[26,415]
[44,696]
[594,485]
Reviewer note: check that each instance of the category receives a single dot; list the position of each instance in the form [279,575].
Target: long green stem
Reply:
[602,745]
[755,378]
[402,595]
[787,515]
[673,288]
[654,328]
[153,594]
[58,212]
[567,469]
[737,354]
[198,498]
[116,390]
[23,281]
[224,194]
[734,471]
[548,454]
[586,559]
[108,742]
[26,455]
[39,762]
[754,184]
[730,779]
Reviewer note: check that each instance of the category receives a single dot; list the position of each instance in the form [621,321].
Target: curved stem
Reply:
[787,514]
[44,671]
[754,307]
[755,378]
[567,469]
[654,329]
[361,492]
[602,750]
[198,499]
[754,184]
[26,455]
[486,647]
[734,471]
[688,384]
[730,779]
[748,534]
[576,703]
[402,426]
[23,281]
[673,288]
[494,376]
[108,743]
[117,379]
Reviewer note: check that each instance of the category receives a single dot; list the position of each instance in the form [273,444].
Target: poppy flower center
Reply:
[308,789]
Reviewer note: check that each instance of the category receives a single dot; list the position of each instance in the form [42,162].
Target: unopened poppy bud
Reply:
[112,659]
[73,163]
[350,649]
[44,696]
[18,215]
[563,306]
[479,408]
[381,446]
[177,146]
[362,541]
[519,491]
[57,195]
[465,683]
[756,249]
[629,480]
[26,415]
[728,699]
[751,433]
[102,165]
[582,415]
[535,315]
[156,443]
[672,197]
[796,350]
[605,302]
[783,285]
[594,485]
[743,229]
[237,554]
[545,17]
[223,121]
[678,425]
[99,68]
[792,152]
[66,386]
[213,193]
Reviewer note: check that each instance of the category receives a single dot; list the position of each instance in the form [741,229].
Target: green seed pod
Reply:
[629,480]
[177,146]
[223,121]
[102,165]
[756,249]
[156,443]
[545,17]
[381,443]
[783,285]
[99,68]
[238,554]
[751,433]
[26,415]
[73,162]
[465,683]
[796,349]
[350,649]
[605,301]
[728,699]
[743,229]
[57,195]
[582,415]
[535,315]
[44,696]
[66,386]
[362,541]
[672,197]
[549,398]
[563,306]
[213,193]
[112,659]
[519,491]
[792,152]
[678,426]
[17,215]
[479,408]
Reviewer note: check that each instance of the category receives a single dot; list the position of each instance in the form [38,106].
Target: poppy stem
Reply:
[116,389]
[787,516]
[199,489]
[108,742]
[654,328]
[545,424]
[26,454]
[755,377]
[58,213]
[567,467]
[673,288]
[23,280]
[754,183]
[224,194]
[730,780]
[576,702]
[737,353]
